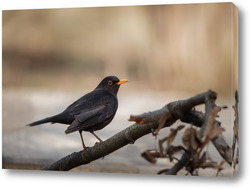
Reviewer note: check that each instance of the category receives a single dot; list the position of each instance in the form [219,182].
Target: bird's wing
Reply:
[89,118]
[85,102]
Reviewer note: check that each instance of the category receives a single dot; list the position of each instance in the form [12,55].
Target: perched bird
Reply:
[91,112]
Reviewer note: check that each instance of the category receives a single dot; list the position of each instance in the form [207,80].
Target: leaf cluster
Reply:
[194,144]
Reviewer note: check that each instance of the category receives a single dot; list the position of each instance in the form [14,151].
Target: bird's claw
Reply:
[97,143]
[84,150]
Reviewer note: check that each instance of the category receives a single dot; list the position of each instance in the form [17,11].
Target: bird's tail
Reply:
[52,119]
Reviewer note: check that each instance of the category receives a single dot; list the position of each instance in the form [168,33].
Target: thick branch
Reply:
[178,110]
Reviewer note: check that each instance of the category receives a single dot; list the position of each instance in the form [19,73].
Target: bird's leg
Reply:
[96,136]
[83,145]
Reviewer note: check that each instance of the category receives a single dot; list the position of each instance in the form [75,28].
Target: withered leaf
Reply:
[211,121]
[210,124]
[186,137]
[210,164]
[162,122]
[235,128]
[191,139]
[162,171]
[224,107]
[216,132]
[236,161]
[211,131]
[180,127]
[171,150]
[150,156]
[173,134]
[170,138]
[160,142]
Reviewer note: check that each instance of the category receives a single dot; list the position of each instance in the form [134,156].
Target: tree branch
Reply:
[145,124]
[127,136]
[220,144]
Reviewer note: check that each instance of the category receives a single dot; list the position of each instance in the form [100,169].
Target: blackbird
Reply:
[91,112]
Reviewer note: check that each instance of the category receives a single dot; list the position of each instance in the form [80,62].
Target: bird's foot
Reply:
[84,150]
[98,143]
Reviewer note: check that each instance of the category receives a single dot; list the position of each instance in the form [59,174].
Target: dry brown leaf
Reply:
[236,134]
[236,161]
[191,139]
[211,121]
[162,171]
[161,122]
[220,167]
[235,128]
[224,107]
[150,156]
[215,132]
[211,131]
[210,164]
[169,139]
[173,134]
[180,127]
[186,137]
[171,150]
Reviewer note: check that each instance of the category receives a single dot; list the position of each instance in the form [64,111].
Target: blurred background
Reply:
[51,57]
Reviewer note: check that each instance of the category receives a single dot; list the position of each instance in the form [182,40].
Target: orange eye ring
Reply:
[110,82]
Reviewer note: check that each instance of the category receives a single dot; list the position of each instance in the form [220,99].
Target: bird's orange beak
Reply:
[122,81]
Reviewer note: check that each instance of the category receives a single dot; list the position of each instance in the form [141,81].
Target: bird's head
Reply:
[111,84]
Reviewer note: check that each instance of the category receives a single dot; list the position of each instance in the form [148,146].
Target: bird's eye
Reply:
[110,82]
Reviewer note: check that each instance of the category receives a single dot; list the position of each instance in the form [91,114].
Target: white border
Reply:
[40,180]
